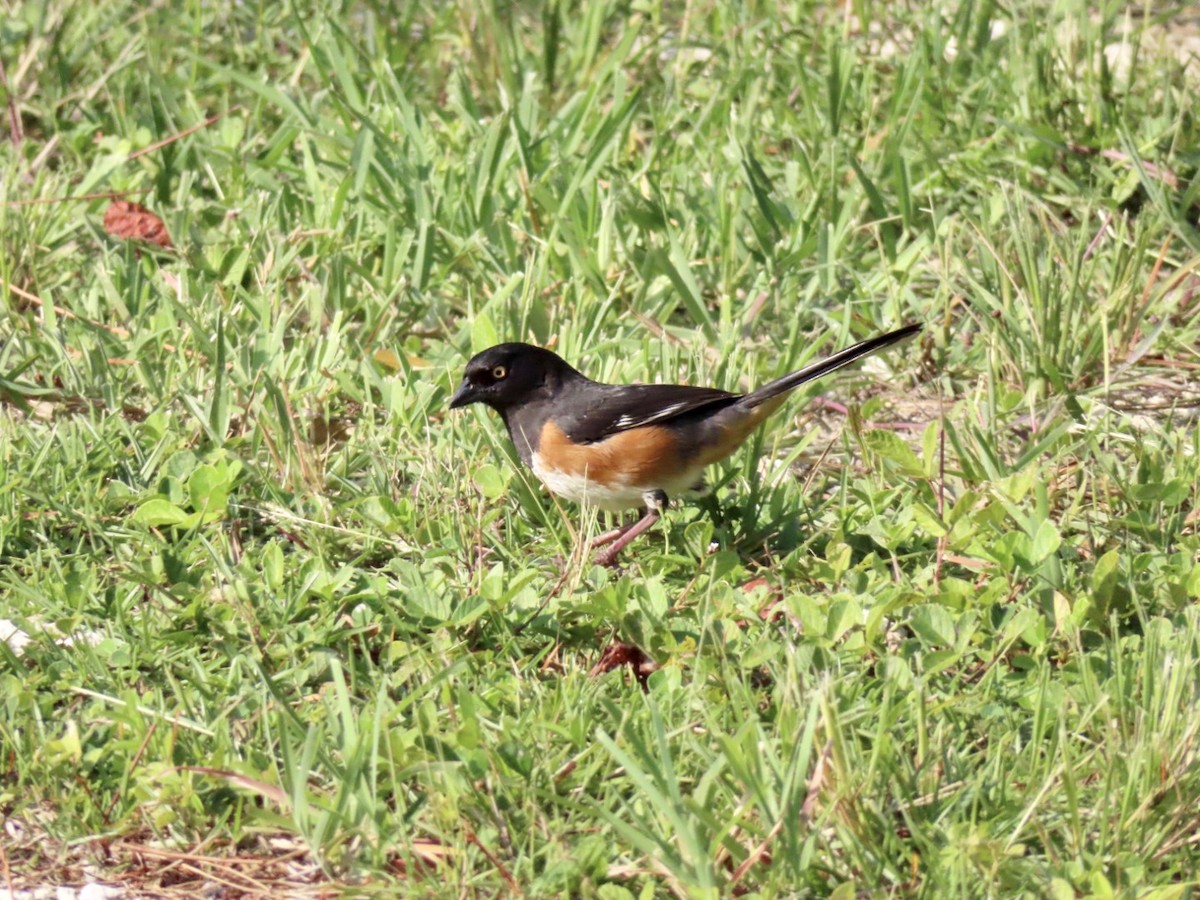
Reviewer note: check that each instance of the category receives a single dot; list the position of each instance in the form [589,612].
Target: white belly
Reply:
[612,497]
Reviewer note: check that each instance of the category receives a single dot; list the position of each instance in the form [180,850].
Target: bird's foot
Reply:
[607,557]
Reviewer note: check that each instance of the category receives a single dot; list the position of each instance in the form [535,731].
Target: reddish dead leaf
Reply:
[131,221]
[769,611]
[618,654]
[425,855]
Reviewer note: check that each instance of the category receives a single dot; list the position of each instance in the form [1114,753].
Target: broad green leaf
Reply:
[157,512]
[1046,540]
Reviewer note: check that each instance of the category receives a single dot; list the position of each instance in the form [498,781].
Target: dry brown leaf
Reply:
[618,654]
[426,855]
[131,221]
[332,430]
[390,359]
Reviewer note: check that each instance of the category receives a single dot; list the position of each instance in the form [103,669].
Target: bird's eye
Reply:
[499,373]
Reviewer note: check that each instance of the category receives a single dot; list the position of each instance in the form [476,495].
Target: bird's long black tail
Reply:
[826,365]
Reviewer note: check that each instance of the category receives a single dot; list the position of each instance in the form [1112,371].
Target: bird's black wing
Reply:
[600,410]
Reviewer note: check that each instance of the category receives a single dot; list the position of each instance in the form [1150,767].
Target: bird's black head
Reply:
[509,374]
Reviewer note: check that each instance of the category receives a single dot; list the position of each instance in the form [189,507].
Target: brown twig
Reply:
[757,305]
[8,879]
[227,876]
[272,792]
[1162,255]
[755,855]
[842,409]
[179,135]
[1087,254]
[16,134]
[115,330]
[558,586]
[1157,172]
[815,783]
[816,467]
[133,764]
[534,218]
[67,314]
[99,195]
[194,856]
[942,539]
[492,858]
[1171,363]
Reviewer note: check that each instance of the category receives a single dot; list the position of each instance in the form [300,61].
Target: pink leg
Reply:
[608,537]
[622,538]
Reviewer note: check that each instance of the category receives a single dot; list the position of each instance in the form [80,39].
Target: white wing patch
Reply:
[628,421]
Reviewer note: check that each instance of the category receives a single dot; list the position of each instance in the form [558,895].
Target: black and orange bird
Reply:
[617,446]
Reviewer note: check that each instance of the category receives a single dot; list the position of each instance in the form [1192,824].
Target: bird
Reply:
[622,446]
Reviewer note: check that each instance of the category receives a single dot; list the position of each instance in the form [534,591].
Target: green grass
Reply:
[274,591]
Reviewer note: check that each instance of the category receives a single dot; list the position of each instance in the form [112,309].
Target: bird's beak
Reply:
[463,396]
